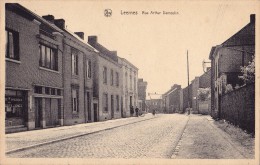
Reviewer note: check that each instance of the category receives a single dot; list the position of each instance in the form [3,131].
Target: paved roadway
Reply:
[155,138]
[165,136]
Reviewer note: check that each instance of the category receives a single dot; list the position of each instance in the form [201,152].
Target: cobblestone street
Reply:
[164,136]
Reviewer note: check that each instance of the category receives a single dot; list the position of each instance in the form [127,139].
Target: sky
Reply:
[156,44]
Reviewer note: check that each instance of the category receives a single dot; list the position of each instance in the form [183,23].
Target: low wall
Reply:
[238,107]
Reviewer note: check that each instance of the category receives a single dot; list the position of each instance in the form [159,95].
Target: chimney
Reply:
[92,40]
[60,23]
[114,53]
[80,34]
[49,18]
[252,18]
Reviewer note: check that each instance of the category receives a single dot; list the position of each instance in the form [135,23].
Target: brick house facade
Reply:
[226,60]
[130,90]
[107,83]
[172,99]
[142,86]
[34,90]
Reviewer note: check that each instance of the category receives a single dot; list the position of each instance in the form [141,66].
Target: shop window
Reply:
[14,104]
[53,91]
[47,90]
[58,92]
[12,44]
[48,57]
[38,89]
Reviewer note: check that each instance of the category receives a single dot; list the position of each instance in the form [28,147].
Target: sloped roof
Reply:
[245,36]
[16,7]
[78,38]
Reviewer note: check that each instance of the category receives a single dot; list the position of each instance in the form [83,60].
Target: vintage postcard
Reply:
[129,82]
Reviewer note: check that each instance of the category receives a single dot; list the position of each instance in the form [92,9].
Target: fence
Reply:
[238,107]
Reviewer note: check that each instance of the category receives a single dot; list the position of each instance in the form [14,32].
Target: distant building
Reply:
[172,100]
[130,89]
[107,83]
[226,60]
[142,85]
[155,104]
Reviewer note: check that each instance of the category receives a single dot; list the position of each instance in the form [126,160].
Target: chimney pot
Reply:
[49,18]
[92,39]
[252,18]
[80,34]
[60,23]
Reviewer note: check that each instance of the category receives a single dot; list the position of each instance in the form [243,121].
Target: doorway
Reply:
[112,106]
[95,112]
[131,101]
[38,112]
[51,111]
[88,106]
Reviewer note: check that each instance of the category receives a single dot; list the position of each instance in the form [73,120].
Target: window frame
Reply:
[88,69]
[104,75]
[111,77]
[117,103]
[105,102]
[117,79]
[74,62]
[75,108]
[53,56]
[16,46]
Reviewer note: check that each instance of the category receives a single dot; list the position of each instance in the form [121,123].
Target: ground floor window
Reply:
[15,104]
[75,101]
[105,102]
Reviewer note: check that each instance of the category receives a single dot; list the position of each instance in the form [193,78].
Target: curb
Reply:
[178,144]
[70,137]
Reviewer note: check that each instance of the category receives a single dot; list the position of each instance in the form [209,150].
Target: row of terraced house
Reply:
[54,77]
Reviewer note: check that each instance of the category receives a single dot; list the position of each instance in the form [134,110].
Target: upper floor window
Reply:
[88,69]
[117,79]
[74,62]
[126,83]
[12,45]
[112,77]
[130,81]
[104,75]
[48,57]
[134,84]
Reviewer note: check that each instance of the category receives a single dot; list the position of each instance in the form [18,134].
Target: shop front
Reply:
[16,105]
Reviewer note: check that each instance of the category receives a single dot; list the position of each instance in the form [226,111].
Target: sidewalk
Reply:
[204,139]
[30,139]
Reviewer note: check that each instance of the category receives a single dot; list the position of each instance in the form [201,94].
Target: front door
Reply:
[122,113]
[131,101]
[95,112]
[38,112]
[51,110]
[88,106]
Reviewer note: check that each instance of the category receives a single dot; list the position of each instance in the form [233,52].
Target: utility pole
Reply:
[188,81]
